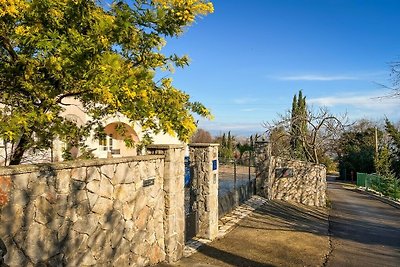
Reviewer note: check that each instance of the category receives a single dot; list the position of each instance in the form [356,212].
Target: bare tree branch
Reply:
[6,44]
[319,136]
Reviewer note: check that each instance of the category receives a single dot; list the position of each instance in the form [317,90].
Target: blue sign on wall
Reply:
[214,165]
[187,171]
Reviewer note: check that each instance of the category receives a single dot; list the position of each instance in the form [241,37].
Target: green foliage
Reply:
[85,152]
[387,185]
[298,124]
[358,155]
[330,164]
[304,134]
[231,149]
[229,141]
[394,147]
[242,148]
[383,162]
[227,146]
[223,140]
[104,56]
[66,154]
[357,149]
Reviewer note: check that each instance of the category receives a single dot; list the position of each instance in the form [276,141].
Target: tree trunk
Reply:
[19,151]
[316,156]
[5,153]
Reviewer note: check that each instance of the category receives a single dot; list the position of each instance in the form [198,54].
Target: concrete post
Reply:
[174,216]
[204,166]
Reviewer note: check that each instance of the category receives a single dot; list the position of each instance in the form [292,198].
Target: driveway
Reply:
[276,234]
[364,231]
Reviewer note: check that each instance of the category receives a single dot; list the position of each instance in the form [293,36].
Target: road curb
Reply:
[381,198]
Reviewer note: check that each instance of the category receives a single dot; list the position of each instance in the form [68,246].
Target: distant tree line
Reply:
[230,147]
[368,148]
[322,138]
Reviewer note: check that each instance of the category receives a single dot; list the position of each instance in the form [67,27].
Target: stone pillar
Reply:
[204,168]
[174,216]
[263,154]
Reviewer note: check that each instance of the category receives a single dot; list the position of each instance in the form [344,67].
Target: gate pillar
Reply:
[174,216]
[263,155]
[204,172]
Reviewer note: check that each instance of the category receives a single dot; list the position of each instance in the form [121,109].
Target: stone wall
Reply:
[262,156]
[174,197]
[204,172]
[299,181]
[95,212]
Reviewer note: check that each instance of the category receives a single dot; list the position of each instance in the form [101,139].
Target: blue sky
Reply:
[249,58]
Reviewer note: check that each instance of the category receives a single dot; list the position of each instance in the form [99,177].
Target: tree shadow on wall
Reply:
[49,220]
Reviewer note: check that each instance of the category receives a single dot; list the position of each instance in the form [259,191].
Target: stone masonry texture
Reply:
[205,182]
[81,213]
[306,184]
[174,215]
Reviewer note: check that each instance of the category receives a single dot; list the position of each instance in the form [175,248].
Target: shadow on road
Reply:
[284,216]
[276,234]
[361,224]
[364,230]
[230,258]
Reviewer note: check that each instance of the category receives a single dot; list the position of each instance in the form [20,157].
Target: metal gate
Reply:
[191,215]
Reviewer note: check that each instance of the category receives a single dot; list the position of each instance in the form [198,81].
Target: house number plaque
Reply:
[148,182]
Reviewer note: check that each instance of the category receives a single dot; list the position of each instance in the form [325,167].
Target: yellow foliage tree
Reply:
[104,55]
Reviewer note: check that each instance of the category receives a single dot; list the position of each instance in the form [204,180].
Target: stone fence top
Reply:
[26,168]
[304,163]
[162,146]
[203,145]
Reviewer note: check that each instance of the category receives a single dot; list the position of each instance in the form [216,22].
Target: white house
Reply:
[112,145]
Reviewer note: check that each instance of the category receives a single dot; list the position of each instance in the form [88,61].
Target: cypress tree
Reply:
[298,129]
[229,141]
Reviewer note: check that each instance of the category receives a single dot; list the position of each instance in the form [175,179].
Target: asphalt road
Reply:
[364,231]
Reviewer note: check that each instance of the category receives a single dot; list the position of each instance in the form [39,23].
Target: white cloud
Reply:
[333,77]
[370,104]
[313,77]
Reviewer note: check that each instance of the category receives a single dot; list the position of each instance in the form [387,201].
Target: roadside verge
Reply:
[377,196]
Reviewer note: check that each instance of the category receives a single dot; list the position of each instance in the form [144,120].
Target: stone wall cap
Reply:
[165,146]
[203,145]
[309,163]
[26,168]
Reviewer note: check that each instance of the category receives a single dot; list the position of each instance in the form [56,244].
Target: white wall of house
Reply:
[113,145]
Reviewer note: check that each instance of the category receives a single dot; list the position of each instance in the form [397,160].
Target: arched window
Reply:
[114,139]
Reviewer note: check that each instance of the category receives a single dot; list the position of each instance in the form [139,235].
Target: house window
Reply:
[103,143]
[106,143]
[110,142]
